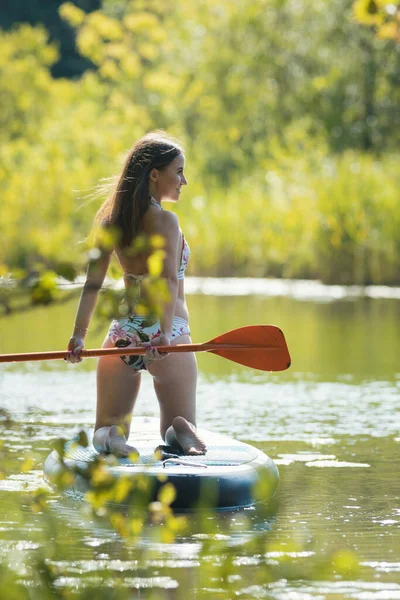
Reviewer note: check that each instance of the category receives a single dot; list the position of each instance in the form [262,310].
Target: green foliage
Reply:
[25,83]
[312,215]
[69,63]
[289,113]
[382,15]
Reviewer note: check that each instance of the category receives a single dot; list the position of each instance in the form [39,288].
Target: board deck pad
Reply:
[218,454]
[234,467]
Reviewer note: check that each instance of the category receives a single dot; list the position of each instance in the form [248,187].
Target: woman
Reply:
[153,172]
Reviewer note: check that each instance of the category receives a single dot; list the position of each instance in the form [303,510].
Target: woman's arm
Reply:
[96,273]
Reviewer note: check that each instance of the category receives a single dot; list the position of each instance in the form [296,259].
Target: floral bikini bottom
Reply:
[134,330]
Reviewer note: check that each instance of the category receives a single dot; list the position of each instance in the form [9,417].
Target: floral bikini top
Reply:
[184,258]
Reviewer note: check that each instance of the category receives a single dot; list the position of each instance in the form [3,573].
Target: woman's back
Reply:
[134,260]
[156,222]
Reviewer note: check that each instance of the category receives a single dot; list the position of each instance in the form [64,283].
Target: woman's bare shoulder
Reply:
[162,221]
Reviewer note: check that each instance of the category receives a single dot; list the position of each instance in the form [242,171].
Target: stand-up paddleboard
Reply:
[230,475]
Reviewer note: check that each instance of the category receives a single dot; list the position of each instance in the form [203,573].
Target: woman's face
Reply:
[167,184]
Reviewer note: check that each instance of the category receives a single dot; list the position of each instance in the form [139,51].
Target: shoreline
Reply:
[299,289]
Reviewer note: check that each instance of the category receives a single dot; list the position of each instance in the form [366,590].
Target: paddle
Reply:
[261,347]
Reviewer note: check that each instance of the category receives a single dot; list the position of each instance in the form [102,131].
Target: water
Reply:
[331,423]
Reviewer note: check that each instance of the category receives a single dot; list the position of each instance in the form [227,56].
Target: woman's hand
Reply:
[152,353]
[75,345]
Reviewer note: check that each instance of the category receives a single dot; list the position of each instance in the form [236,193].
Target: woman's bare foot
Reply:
[187,437]
[109,440]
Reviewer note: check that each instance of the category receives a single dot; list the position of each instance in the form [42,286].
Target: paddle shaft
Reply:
[138,350]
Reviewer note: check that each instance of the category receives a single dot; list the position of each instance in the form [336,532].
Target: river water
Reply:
[331,423]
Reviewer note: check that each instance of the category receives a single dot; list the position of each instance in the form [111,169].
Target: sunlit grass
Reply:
[334,218]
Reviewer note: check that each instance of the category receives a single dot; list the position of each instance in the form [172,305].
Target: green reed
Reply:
[297,214]
[333,218]
[319,216]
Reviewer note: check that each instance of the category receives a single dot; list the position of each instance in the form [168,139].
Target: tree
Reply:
[45,12]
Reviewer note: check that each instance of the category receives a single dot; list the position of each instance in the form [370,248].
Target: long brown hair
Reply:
[124,208]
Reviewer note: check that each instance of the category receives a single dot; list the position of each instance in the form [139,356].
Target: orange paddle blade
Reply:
[260,347]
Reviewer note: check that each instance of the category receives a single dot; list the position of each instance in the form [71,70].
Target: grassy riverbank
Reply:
[333,218]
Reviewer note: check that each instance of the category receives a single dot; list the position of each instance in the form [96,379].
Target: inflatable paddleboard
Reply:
[230,475]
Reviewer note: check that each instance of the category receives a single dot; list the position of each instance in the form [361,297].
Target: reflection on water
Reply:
[331,423]
[299,289]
